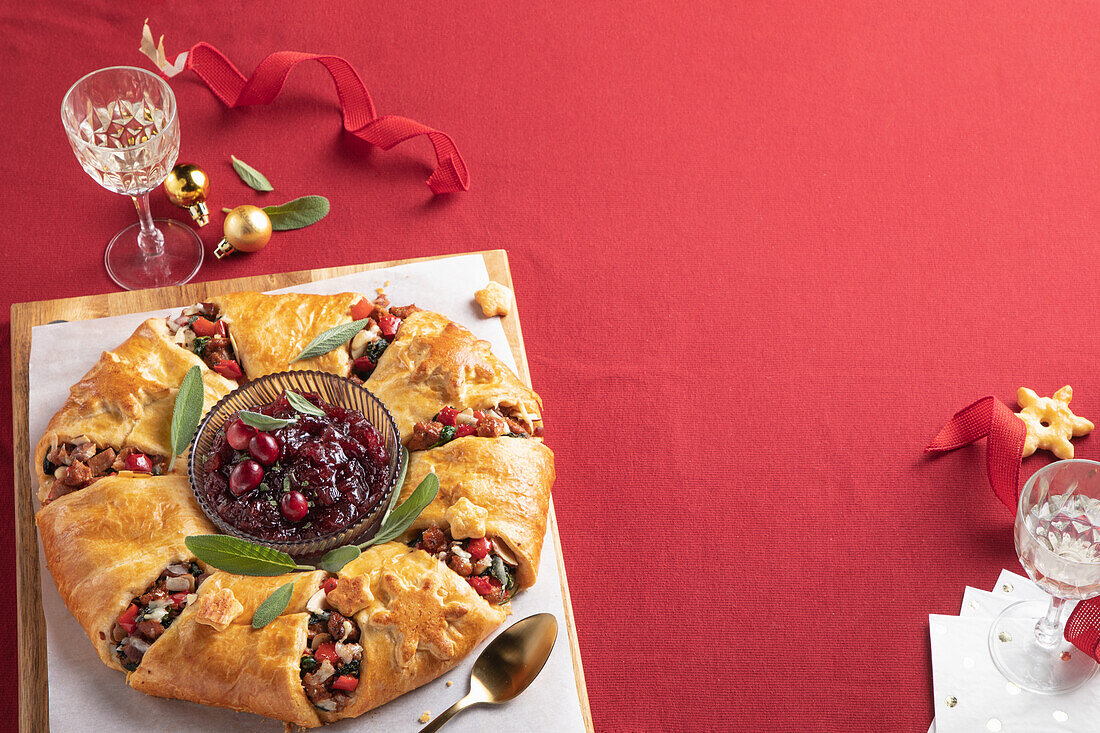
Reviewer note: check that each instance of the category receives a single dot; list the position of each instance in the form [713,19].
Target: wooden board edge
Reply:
[32,674]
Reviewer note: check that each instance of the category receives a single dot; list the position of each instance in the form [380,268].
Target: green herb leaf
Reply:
[499,572]
[376,348]
[234,555]
[264,422]
[302,405]
[331,339]
[275,604]
[251,177]
[403,516]
[335,560]
[300,212]
[187,412]
[401,471]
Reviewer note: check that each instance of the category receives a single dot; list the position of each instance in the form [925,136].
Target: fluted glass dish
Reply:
[333,390]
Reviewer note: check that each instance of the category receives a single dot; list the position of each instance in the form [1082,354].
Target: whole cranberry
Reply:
[239,434]
[264,448]
[294,506]
[246,476]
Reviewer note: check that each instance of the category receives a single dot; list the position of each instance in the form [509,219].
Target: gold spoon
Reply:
[507,666]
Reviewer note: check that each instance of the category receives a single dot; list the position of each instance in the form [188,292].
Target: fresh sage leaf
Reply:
[187,412]
[401,471]
[299,213]
[264,422]
[498,571]
[404,515]
[234,555]
[335,560]
[273,605]
[252,178]
[302,405]
[331,339]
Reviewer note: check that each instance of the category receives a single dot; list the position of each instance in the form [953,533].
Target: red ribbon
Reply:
[232,88]
[989,418]
[1004,450]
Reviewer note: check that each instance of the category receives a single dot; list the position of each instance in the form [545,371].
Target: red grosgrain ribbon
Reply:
[989,418]
[360,119]
[1083,628]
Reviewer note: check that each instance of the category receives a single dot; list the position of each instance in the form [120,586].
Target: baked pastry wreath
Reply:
[116,509]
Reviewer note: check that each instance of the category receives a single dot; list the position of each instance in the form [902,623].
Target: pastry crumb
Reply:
[495,300]
[425,716]
[449,683]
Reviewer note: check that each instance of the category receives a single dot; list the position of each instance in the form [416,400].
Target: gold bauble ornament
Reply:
[247,229]
[187,187]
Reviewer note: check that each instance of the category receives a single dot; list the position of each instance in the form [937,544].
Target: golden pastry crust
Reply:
[218,609]
[126,399]
[238,667]
[434,363]
[495,299]
[269,330]
[510,478]
[423,619]
[106,544]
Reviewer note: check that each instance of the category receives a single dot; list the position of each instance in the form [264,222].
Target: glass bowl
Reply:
[332,389]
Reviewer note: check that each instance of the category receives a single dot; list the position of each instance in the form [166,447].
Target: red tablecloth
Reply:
[762,251]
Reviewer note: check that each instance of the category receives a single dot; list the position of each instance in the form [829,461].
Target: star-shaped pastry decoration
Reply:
[1050,423]
[419,616]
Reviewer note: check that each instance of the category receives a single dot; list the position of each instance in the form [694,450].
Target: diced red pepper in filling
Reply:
[478,414]
[139,462]
[361,310]
[388,325]
[126,618]
[480,584]
[219,328]
[229,369]
[363,365]
[478,548]
[447,416]
[465,431]
[178,599]
[204,327]
[329,584]
[326,651]
[345,682]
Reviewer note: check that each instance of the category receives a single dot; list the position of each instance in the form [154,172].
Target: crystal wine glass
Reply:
[1058,541]
[122,124]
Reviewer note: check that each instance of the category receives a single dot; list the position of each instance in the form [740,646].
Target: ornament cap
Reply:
[224,249]
[200,213]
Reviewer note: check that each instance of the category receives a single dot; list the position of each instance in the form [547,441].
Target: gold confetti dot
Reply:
[952,701]
[1006,588]
[425,716]
[1004,637]
[449,683]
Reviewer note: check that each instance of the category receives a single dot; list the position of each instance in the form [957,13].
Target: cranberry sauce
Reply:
[315,476]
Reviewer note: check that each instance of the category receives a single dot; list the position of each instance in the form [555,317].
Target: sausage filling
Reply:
[479,560]
[78,463]
[383,321]
[146,618]
[449,423]
[329,666]
[200,328]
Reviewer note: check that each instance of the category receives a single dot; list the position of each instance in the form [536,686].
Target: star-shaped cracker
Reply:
[419,616]
[1050,423]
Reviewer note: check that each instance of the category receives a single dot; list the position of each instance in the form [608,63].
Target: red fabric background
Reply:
[763,251]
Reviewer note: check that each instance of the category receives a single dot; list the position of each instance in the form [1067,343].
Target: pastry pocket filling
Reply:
[151,613]
[486,564]
[200,329]
[451,423]
[78,463]
[329,666]
[383,322]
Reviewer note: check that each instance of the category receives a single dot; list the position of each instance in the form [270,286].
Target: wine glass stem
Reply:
[150,239]
[1048,628]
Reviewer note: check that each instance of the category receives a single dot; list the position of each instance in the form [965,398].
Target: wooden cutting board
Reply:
[33,697]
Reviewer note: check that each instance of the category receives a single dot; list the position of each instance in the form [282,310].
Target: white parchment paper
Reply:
[87,696]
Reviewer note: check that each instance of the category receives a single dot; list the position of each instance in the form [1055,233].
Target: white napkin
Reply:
[972,696]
